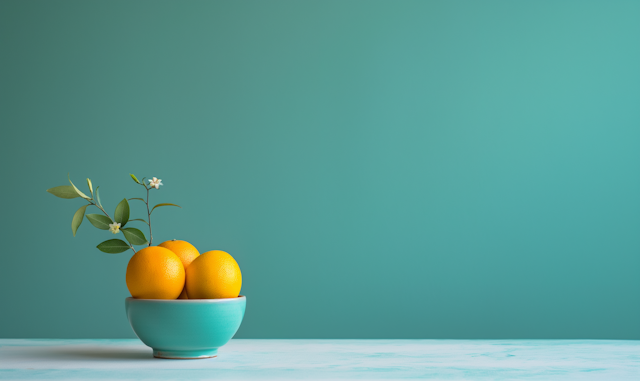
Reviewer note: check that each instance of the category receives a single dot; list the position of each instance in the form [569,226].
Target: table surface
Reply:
[22,359]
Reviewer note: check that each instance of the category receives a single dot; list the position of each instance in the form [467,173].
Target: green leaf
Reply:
[137,198]
[165,204]
[64,191]
[138,219]
[134,236]
[98,196]
[134,178]
[99,221]
[77,219]
[90,186]
[113,246]
[78,190]
[122,212]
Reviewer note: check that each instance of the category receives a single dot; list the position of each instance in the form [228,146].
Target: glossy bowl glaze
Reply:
[185,328]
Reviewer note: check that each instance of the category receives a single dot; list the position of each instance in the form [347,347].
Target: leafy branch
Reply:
[104,221]
[153,183]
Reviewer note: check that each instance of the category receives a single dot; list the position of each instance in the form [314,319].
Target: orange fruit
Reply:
[186,252]
[155,273]
[213,275]
[183,249]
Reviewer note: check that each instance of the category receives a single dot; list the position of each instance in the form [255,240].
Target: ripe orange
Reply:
[213,275]
[186,252]
[155,273]
[183,249]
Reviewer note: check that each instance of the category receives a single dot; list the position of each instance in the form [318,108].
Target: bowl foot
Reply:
[185,355]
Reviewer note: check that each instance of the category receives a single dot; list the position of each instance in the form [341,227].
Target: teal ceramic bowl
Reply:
[185,328]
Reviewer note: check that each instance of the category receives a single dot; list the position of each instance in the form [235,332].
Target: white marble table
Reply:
[327,360]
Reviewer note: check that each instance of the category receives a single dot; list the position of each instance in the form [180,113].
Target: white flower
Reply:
[155,182]
[114,227]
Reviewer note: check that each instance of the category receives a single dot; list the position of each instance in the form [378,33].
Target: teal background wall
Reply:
[379,169]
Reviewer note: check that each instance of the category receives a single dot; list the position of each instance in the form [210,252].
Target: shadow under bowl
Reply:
[185,328]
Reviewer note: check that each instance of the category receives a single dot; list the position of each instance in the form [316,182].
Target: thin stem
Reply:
[149,216]
[101,208]
[134,250]
[105,213]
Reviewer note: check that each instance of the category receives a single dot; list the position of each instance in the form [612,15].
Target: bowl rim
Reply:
[190,301]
